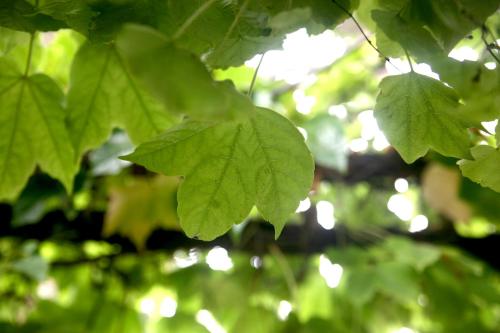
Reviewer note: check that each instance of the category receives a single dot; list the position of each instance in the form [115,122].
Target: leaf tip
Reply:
[278,228]
[128,157]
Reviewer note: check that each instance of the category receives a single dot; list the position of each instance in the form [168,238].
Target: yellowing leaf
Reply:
[441,187]
[416,113]
[136,209]
[228,167]
[33,130]
[485,168]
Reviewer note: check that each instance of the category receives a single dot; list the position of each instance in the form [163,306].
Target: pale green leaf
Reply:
[34,267]
[14,46]
[235,51]
[240,29]
[418,255]
[398,281]
[485,168]
[33,130]
[57,55]
[497,133]
[325,138]
[417,113]
[450,21]
[407,34]
[173,74]
[230,166]
[429,29]
[479,88]
[103,94]
[361,285]
[314,299]
[255,319]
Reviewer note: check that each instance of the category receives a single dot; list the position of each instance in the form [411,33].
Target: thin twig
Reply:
[83,261]
[30,53]
[342,8]
[409,61]
[285,269]
[254,77]
[235,22]
[484,30]
[193,18]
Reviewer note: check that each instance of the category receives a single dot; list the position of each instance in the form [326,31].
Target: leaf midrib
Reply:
[14,128]
[221,177]
[136,91]
[91,104]
[174,143]
[268,162]
[53,139]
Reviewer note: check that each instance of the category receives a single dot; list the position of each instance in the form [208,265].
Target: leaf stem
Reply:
[30,53]
[193,18]
[342,8]
[489,47]
[409,60]
[254,77]
[235,21]
[285,269]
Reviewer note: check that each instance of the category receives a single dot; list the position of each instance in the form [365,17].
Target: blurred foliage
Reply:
[378,275]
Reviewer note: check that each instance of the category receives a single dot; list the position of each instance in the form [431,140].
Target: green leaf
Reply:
[75,13]
[34,267]
[397,280]
[22,15]
[56,57]
[407,34]
[361,285]
[479,88]
[417,113]
[325,138]
[103,94]
[163,68]
[33,130]
[418,255]
[230,166]
[241,29]
[255,319]
[483,201]
[450,21]
[15,47]
[431,28]
[497,133]
[113,14]
[315,299]
[484,169]
[181,322]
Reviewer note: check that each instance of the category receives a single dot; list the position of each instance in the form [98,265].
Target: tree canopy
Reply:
[249,165]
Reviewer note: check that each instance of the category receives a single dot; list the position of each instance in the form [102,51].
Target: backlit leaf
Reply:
[172,74]
[103,94]
[231,166]
[484,169]
[416,113]
[33,130]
